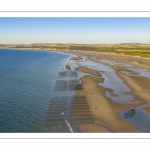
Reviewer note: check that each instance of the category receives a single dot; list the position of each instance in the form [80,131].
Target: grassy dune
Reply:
[135,49]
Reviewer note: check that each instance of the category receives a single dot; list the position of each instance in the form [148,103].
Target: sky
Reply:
[85,30]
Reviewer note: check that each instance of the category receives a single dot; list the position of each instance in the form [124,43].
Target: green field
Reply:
[135,49]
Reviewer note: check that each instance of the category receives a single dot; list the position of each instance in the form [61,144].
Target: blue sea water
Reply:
[26,86]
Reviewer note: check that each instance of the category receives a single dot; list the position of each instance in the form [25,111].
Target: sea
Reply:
[27,79]
[34,96]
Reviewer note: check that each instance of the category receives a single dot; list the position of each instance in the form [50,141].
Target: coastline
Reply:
[104,55]
[105,110]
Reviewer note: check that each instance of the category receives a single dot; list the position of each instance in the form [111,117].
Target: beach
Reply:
[111,85]
[105,110]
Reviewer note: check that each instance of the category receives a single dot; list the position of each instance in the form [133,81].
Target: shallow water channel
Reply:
[118,91]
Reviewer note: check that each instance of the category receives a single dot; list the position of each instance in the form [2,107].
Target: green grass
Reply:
[141,50]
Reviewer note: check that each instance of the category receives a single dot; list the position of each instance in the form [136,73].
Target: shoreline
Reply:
[105,110]
[91,53]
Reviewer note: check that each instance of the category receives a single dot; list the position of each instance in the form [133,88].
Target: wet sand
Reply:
[77,58]
[68,67]
[140,86]
[90,71]
[105,110]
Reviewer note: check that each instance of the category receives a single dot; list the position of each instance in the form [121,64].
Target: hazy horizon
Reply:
[75,30]
[72,43]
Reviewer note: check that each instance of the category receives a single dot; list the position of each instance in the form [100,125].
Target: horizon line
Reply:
[75,43]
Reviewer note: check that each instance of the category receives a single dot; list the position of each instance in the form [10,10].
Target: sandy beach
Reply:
[105,110]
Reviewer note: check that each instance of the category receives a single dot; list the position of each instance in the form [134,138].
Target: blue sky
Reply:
[74,30]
